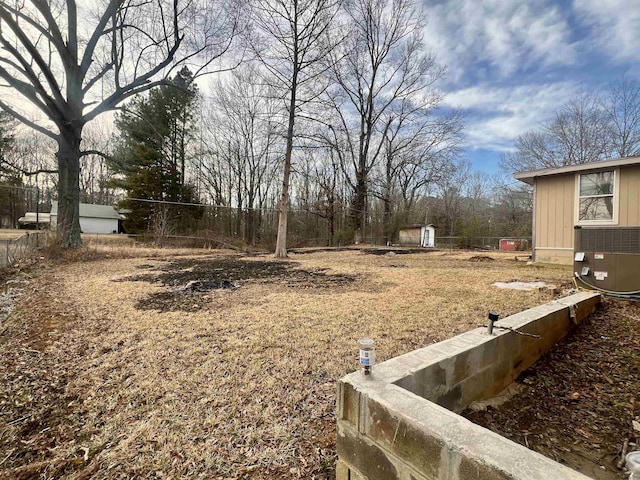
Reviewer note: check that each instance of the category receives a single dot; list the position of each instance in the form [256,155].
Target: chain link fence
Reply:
[11,249]
[483,243]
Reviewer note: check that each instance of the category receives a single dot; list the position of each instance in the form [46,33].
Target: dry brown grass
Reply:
[6,233]
[244,387]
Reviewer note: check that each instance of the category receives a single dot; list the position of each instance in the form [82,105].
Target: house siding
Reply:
[554,219]
[555,212]
[92,225]
[409,236]
[630,196]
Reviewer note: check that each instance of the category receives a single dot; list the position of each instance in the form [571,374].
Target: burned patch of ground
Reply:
[188,279]
[576,404]
[396,251]
[146,266]
[303,251]
[481,258]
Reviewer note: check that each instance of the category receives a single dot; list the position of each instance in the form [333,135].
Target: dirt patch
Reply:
[576,405]
[188,279]
[303,251]
[481,258]
[396,251]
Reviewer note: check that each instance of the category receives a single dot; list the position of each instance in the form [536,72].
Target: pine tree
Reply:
[151,157]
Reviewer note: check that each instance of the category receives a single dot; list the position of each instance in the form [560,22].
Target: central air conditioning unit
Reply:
[608,258]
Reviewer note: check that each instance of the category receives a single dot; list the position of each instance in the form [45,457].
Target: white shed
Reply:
[93,218]
[418,235]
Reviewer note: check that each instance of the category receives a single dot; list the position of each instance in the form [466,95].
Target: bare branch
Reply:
[26,121]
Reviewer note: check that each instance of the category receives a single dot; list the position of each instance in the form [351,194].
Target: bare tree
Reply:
[71,78]
[293,41]
[384,65]
[326,177]
[623,109]
[418,148]
[512,207]
[580,132]
[451,189]
[163,224]
[244,128]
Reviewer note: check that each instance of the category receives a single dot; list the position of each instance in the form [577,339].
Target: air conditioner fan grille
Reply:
[615,240]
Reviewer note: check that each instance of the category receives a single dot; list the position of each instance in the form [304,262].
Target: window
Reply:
[596,197]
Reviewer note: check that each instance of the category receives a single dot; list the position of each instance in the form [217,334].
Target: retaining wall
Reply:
[401,422]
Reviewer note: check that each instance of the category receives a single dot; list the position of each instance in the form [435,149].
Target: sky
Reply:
[512,63]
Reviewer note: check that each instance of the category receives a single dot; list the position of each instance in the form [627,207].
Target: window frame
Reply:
[615,197]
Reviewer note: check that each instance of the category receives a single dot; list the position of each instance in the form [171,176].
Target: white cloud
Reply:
[615,26]
[497,115]
[508,35]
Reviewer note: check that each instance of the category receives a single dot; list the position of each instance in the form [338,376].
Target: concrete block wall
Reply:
[401,423]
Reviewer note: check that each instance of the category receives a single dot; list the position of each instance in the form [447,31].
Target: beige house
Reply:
[605,193]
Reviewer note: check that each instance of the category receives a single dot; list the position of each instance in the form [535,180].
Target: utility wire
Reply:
[524,334]
[213,205]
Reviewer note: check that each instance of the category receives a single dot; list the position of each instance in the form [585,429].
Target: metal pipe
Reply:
[493,317]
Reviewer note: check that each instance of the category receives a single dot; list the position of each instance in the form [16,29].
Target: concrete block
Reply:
[408,383]
[403,439]
[471,469]
[506,344]
[451,398]
[388,427]
[434,353]
[465,365]
[342,471]
[348,402]
[484,354]
[413,360]
[383,373]
[363,455]
[481,385]
[431,382]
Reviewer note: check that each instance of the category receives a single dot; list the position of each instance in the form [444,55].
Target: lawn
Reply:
[136,365]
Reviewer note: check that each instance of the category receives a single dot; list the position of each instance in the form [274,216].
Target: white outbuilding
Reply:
[93,218]
[418,236]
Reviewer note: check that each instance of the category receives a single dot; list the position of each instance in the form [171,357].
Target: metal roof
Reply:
[529,176]
[417,225]
[88,210]
[33,217]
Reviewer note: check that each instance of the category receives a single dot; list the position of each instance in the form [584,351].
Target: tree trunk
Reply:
[281,241]
[331,219]
[359,207]
[249,226]
[68,223]
[386,220]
